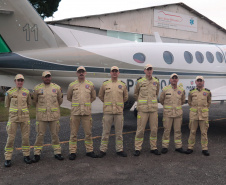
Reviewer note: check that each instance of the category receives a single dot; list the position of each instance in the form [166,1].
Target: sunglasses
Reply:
[174,77]
[199,80]
[20,80]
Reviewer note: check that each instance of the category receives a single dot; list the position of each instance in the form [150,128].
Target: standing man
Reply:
[113,93]
[47,97]
[199,99]
[17,100]
[172,98]
[81,93]
[146,93]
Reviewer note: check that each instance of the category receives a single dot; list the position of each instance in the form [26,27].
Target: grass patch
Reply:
[4,112]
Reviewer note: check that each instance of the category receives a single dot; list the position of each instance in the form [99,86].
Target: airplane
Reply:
[29,46]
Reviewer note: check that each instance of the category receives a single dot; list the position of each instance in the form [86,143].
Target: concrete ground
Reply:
[171,168]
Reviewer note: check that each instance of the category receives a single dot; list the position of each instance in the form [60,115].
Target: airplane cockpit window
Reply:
[139,57]
[199,56]
[219,57]
[209,57]
[188,57]
[168,57]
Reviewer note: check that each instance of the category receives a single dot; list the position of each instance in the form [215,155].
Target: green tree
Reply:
[45,8]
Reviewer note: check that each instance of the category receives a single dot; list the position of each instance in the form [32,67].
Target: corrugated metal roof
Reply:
[153,6]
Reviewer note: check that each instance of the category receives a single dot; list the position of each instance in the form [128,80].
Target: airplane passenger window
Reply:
[188,57]
[168,57]
[199,56]
[219,57]
[209,57]
[139,57]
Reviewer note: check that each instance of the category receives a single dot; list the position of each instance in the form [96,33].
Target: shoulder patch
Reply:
[156,79]
[89,82]
[122,82]
[72,83]
[10,91]
[139,78]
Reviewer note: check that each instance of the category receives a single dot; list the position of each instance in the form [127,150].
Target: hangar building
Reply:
[175,23]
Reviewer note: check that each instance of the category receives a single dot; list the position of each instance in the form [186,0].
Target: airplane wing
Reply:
[219,93]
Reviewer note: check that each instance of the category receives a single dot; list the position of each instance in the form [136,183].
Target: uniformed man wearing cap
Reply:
[81,94]
[17,100]
[113,93]
[199,100]
[146,93]
[47,97]
[172,98]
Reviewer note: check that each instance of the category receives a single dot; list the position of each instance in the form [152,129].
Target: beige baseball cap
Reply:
[81,67]
[114,67]
[46,73]
[174,74]
[148,66]
[199,77]
[19,76]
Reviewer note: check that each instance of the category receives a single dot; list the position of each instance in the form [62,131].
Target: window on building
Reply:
[188,57]
[209,57]
[168,57]
[125,35]
[219,57]
[199,56]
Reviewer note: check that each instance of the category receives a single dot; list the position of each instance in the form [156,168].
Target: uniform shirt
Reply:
[113,94]
[81,94]
[199,100]
[18,100]
[172,100]
[146,93]
[47,99]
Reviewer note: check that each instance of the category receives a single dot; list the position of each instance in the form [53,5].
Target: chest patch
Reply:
[87,86]
[54,90]
[204,93]
[179,92]
[154,83]
[24,94]
[119,86]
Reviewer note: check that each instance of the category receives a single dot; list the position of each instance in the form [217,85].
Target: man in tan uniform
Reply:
[47,97]
[113,93]
[81,93]
[199,100]
[17,100]
[172,98]
[146,93]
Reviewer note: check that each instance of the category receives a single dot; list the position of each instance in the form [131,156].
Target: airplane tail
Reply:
[21,28]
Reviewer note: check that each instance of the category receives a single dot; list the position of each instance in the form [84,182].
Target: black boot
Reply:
[122,154]
[59,157]
[101,154]
[164,150]
[7,163]
[156,152]
[72,156]
[27,160]
[189,151]
[91,154]
[136,153]
[180,150]
[205,152]
[36,158]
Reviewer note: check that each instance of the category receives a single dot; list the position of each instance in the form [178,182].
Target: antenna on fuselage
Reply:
[157,37]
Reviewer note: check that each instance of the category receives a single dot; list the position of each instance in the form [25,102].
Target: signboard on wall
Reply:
[174,21]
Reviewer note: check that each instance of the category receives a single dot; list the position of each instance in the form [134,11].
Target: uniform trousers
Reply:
[54,127]
[11,129]
[87,126]
[142,119]
[167,123]
[193,125]
[108,119]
